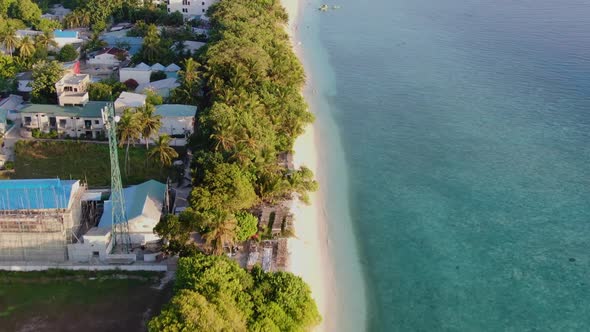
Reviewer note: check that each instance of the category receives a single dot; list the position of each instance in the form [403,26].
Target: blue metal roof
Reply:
[135,199]
[65,34]
[35,194]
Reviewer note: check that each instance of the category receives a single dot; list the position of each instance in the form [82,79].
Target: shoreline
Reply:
[308,251]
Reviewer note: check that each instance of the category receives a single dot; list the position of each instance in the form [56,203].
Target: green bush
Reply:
[67,53]
[9,165]
[157,75]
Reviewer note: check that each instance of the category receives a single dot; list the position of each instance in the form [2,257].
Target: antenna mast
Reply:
[120,225]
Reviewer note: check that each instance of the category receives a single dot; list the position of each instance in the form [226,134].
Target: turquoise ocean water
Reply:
[456,142]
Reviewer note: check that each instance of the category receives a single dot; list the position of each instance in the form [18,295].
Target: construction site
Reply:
[53,221]
[39,218]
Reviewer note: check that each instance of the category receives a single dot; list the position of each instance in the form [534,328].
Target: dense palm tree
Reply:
[27,47]
[85,18]
[149,122]
[72,20]
[10,40]
[221,232]
[162,152]
[45,40]
[151,43]
[129,130]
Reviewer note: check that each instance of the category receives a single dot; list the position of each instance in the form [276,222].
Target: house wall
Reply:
[189,8]
[176,125]
[65,125]
[73,99]
[61,42]
[140,76]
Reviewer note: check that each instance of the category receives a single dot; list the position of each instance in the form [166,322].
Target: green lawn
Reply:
[117,299]
[83,161]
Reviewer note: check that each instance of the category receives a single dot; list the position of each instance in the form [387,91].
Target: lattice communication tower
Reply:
[120,225]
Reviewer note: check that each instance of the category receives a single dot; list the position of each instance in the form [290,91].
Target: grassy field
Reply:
[79,301]
[84,161]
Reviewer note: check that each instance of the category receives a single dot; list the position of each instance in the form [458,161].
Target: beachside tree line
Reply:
[212,293]
[247,85]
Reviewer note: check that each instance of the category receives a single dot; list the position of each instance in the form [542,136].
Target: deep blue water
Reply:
[465,134]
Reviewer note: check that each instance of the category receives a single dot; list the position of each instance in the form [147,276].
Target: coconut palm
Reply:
[27,47]
[149,122]
[10,40]
[151,43]
[85,19]
[45,40]
[162,152]
[129,130]
[221,232]
[72,20]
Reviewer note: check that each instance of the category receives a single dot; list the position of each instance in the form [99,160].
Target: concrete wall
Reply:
[38,247]
[82,267]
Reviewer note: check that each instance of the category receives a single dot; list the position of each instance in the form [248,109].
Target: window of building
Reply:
[62,123]
[184,2]
[184,10]
[96,122]
[203,3]
[203,10]
[168,9]
[27,120]
[68,88]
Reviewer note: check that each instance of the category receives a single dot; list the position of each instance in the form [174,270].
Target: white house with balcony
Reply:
[189,8]
[73,121]
[72,89]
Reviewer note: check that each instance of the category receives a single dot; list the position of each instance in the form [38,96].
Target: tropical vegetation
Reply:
[215,294]
[247,85]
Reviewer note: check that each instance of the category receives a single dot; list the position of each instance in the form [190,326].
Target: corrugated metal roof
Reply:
[35,194]
[91,110]
[135,200]
[176,110]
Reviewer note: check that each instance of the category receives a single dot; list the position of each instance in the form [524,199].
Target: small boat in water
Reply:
[324,8]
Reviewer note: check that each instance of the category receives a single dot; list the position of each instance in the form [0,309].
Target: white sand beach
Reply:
[308,251]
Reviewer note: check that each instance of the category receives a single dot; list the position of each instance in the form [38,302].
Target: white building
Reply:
[192,46]
[129,100]
[190,8]
[178,121]
[161,87]
[140,73]
[111,56]
[144,204]
[72,121]
[72,89]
